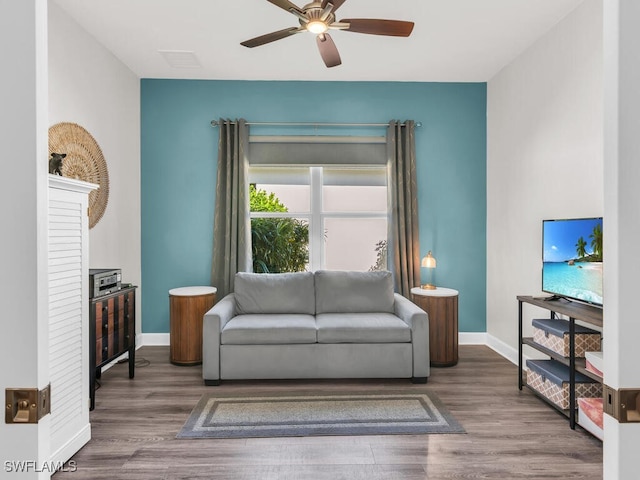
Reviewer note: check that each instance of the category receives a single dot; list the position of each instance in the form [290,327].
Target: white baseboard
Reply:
[153,339]
[71,447]
[507,351]
[162,339]
[495,344]
[464,338]
[472,338]
[510,353]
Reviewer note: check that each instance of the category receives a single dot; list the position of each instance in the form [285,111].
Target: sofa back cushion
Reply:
[275,293]
[354,292]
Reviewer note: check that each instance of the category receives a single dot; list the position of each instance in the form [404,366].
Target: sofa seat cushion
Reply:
[269,329]
[275,293]
[362,328]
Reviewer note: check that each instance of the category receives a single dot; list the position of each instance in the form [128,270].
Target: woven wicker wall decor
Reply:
[84,161]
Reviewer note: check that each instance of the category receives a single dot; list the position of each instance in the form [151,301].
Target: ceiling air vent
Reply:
[180,58]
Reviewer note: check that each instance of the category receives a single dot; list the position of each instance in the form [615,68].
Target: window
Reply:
[337,213]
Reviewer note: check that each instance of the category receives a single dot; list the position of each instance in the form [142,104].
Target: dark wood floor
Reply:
[510,434]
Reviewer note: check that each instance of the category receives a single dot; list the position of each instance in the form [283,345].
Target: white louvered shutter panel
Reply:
[68,316]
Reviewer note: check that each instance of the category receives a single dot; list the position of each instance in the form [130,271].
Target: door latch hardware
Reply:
[26,405]
[622,404]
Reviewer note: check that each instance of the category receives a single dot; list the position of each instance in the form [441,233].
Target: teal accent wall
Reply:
[178,172]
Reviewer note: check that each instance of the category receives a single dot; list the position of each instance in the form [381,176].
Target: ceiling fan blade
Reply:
[286,5]
[328,50]
[393,28]
[336,4]
[271,37]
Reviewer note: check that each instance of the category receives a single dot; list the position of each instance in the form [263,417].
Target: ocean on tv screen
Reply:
[579,280]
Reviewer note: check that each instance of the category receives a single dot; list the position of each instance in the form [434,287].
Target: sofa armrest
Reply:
[418,320]
[212,324]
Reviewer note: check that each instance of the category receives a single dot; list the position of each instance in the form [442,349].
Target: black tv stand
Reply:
[575,311]
[553,298]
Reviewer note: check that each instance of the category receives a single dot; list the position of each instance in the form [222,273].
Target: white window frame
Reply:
[316,216]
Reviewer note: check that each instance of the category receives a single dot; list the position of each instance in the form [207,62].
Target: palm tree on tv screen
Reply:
[596,242]
[580,248]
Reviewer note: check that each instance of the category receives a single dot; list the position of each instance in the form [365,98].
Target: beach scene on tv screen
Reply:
[572,259]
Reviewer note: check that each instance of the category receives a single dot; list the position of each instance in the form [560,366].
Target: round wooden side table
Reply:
[187,306]
[442,306]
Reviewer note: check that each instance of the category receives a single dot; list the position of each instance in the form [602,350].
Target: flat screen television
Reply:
[572,258]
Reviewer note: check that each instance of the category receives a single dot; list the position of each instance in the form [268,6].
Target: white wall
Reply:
[544,156]
[622,222]
[91,87]
[24,354]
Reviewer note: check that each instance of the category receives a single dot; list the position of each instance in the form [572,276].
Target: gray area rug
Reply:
[289,415]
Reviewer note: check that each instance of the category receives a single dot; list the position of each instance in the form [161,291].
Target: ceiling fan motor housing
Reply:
[313,11]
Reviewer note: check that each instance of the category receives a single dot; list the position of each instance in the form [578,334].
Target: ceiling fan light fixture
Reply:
[317,27]
[319,16]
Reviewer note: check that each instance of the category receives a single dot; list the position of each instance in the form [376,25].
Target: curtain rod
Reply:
[215,123]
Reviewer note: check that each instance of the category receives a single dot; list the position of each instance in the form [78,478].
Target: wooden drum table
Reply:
[187,306]
[442,306]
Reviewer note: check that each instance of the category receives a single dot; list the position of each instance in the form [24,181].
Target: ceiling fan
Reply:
[319,16]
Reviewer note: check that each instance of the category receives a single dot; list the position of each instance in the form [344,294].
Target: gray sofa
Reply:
[327,324]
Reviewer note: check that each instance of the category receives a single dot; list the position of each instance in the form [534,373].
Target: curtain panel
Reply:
[231,235]
[403,254]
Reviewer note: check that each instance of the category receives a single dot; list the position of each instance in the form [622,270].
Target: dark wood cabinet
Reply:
[112,333]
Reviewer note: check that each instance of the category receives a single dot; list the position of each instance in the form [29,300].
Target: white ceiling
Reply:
[453,40]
